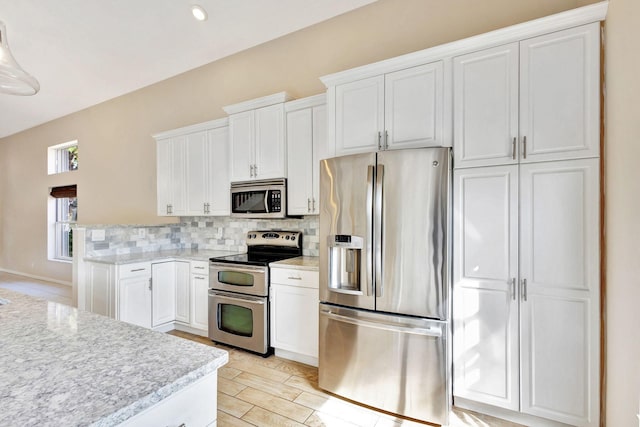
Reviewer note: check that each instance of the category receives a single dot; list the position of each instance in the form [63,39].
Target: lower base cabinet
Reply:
[294,314]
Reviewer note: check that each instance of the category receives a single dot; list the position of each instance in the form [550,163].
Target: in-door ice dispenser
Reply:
[345,255]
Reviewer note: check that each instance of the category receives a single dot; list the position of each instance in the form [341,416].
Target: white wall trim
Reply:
[198,127]
[33,276]
[548,24]
[311,101]
[252,104]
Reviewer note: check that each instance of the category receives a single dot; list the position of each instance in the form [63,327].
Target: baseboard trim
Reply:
[33,276]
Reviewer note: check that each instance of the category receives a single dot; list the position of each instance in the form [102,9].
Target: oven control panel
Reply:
[274,238]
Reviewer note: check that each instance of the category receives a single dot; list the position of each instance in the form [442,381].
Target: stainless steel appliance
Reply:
[384,317]
[259,199]
[239,289]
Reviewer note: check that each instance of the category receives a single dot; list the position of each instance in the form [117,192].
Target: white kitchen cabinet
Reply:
[183,291]
[100,293]
[163,295]
[402,109]
[257,138]
[529,101]
[192,170]
[546,216]
[134,294]
[306,138]
[294,314]
[200,301]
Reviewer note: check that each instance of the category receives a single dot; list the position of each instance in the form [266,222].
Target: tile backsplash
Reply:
[203,233]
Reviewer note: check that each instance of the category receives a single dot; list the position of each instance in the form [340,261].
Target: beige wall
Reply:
[116,180]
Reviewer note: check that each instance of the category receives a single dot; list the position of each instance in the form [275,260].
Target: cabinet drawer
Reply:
[293,277]
[200,267]
[133,270]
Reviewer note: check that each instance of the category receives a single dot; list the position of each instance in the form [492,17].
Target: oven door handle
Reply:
[237,298]
[229,267]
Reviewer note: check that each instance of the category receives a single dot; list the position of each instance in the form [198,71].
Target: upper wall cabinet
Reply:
[257,138]
[401,109]
[306,146]
[193,171]
[529,101]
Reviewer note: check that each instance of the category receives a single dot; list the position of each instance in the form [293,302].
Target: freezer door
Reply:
[394,363]
[411,218]
[346,223]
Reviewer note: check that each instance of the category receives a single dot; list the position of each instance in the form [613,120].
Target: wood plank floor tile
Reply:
[263,418]
[230,387]
[226,420]
[306,385]
[321,419]
[277,389]
[339,408]
[260,370]
[232,405]
[229,373]
[275,404]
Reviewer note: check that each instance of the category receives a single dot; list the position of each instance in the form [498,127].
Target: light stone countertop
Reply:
[186,254]
[60,366]
[298,263]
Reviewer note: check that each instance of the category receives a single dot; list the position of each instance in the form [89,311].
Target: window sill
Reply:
[64,261]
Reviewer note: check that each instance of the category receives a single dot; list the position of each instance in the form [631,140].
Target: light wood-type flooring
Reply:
[266,392]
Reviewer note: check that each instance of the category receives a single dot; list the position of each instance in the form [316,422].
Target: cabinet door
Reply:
[319,152]
[195,172]
[414,106]
[183,291]
[560,94]
[163,277]
[100,295]
[485,305]
[485,114]
[560,299]
[200,301]
[359,116]
[270,145]
[163,176]
[294,319]
[134,296]
[218,172]
[300,161]
[241,137]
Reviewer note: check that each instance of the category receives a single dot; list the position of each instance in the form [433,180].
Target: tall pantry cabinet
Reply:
[526,279]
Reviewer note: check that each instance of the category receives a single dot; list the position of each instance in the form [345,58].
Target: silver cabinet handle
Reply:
[513,289]
[169,209]
[524,147]
[513,148]
[251,171]
[200,277]
[379,140]
[294,278]
[137,269]
[197,267]
[308,205]
[255,171]
[524,289]
[313,204]
[386,140]
[150,284]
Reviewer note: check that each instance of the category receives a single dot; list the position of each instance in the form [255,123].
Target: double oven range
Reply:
[239,289]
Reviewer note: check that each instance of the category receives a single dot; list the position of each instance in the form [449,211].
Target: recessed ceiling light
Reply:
[199,13]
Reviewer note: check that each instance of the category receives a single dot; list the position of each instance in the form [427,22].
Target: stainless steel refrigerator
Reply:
[384,310]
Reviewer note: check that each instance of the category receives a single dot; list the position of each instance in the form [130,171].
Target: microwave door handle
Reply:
[266,201]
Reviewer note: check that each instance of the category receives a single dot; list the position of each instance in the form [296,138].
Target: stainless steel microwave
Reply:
[259,199]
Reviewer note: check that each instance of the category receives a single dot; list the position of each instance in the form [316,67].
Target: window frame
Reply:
[56,158]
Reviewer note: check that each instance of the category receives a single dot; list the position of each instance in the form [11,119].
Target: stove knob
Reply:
[293,237]
[287,237]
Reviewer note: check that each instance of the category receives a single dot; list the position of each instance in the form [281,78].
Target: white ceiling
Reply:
[84,52]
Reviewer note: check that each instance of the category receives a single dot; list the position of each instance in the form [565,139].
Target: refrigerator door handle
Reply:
[432,331]
[369,254]
[378,229]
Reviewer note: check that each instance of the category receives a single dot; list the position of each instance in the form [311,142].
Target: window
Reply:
[63,157]
[63,213]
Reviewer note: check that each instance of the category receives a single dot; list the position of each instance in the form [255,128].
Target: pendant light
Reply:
[13,79]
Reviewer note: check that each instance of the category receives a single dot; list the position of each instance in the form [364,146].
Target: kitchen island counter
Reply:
[64,366]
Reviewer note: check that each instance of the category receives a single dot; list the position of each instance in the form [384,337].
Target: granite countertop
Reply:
[60,366]
[188,254]
[298,263]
